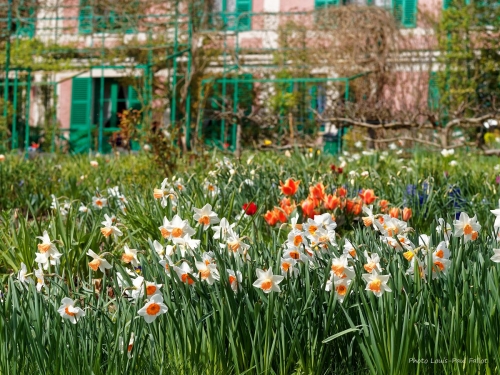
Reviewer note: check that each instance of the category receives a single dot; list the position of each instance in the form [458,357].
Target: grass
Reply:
[449,317]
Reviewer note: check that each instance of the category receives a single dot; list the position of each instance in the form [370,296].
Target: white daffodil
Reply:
[496,257]
[21,275]
[109,228]
[445,228]
[267,281]
[295,253]
[40,281]
[164,228]
[323,221]
[83,208]
[222,230]
[424,240]
[207,272]
[467,227]
[99,202]
[439,266]
[496,212]
[178,228]
[153,308]
[185,273]
[341,286]
[369,220]
[69,311]
[376,283]
[140,285]
[187,244]
[167,264]
[165,193]
[442,251]
[399,243]
[420,265]
[179,184]
[205,216]
[48,254]
[349,249]
[287,267]
[130,256]
[98,262]
[211,189]
[235,279]
[235,244]
[129,347]
[390,227]
[296,238]
[341,268]
[372,262]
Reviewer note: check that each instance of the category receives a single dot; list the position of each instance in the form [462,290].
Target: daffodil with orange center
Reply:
[268,282]
[98,262]
[205,216]
[153,308]
[207,272]
[376,283]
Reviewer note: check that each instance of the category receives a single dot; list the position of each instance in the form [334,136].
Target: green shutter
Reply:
[26,25]
[433,93]
[244,21]
[133,102]
[133,99]
[405,12]
[397,10]
[325,3]
[409,13]
[81,112]
[85,17]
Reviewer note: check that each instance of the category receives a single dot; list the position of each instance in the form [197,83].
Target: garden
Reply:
[293,262]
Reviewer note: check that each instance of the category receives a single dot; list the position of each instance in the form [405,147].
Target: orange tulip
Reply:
[308,207]
[271,218]
[317,191]
[349,206]
[394,212]
[287,206]
[342,191]
[332,202]
[407,213]
[356,209]
[384,204]
[282,216]
[368,196]
[290,187]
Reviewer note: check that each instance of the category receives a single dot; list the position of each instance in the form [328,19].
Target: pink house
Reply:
[91,95]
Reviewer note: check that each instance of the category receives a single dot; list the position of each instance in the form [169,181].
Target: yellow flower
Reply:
[267,142]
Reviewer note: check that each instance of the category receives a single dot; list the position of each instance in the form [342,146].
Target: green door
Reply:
[81,114]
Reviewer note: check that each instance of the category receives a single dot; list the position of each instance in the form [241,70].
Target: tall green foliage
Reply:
[468,41]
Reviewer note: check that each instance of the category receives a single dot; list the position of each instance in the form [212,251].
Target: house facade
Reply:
[108,57]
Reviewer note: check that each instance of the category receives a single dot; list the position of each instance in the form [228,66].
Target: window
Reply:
[100,17]
[233,13]
[433,97]
[23,18]
[86,108]
[405,11]
[325,3]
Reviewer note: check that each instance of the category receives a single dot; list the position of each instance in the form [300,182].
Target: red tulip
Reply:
[250,208]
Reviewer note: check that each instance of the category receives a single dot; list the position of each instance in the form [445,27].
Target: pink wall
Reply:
[296,5]
[408,90]
[429,9]
[71,12]
[64,110]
